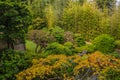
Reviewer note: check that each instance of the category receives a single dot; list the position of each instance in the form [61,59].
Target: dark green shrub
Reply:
[58,33]
[56,48]
[111,74]
[104,43]
[12,62]
[79,40]
[116,54]
[117,44]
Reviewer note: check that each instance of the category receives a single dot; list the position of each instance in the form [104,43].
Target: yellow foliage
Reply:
[98,62]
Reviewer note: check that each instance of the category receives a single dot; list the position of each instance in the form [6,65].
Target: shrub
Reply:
[79,40]
[104,43]
[117,44]
[41,38]
[12,62]
[56,48]
[89,48]
[68,36]
[29,47]
[58,33]
[61,67]
[69,45]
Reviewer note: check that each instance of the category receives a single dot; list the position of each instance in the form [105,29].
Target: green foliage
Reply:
[14,21]
[89,48]
[39,23]
[83,19]
[115,24]
[111,74]
[12,62]
[110,4]
[50,16]
[69,45]
[30,48]
[104,43]
[79,40]
[117,43]
[56,48]
[58,33]
[116,54]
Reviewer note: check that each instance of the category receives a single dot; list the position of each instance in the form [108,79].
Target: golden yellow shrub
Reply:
[67,67]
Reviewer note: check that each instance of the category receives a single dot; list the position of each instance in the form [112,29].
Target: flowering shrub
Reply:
[72,67]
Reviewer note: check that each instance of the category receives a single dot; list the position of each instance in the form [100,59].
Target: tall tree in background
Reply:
[109,4]
[115,23]
[81,19]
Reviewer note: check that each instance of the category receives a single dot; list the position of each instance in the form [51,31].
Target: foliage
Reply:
[83,19]
[41,38]
[72,67]
[30,48]
[104,43]
[50,16]
[110,4]
[38,23]
[115,25]
[117,43]
[56,48]
[89,48]
[79,40]
[58,33]
[69,45]
[111,74]
[12,62]
[14,21]
[68,36]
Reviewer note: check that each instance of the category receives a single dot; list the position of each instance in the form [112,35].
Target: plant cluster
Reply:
[72,67]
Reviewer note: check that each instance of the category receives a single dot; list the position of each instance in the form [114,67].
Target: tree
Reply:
[82,19]
[14,21]
[115,24]
[109,4]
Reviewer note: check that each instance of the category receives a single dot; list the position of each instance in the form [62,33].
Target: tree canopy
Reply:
[14,21]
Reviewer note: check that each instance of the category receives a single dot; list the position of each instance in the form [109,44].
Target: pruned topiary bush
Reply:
[104,43]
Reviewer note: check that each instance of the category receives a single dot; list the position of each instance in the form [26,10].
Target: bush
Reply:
[68,36]
[41,38]
[117,44]
[69,45]
[38,23]
[79,40]
[12,62]
[58,33]
[61,67]
[29,47]
[56,48]
[89,48]
[104,43]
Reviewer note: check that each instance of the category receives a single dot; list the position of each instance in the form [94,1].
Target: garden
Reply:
[59,40]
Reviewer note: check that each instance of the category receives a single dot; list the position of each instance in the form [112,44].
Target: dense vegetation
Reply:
[64,40]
